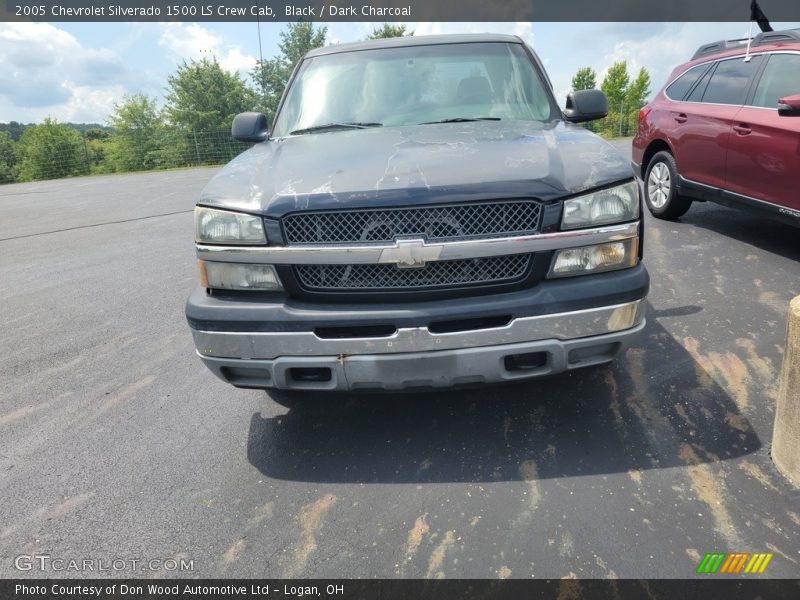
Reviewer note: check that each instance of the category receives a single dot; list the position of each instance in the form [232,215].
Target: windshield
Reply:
[415,84]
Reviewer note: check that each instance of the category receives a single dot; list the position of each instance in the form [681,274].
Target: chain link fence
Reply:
[171,149]
[621,121]
[101,152]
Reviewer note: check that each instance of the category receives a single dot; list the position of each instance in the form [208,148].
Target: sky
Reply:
[78,71]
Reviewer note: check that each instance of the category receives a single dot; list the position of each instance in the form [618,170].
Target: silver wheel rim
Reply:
[659,185]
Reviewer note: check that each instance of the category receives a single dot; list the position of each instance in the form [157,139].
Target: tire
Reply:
[660,193]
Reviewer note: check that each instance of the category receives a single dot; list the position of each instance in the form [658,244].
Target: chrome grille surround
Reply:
[453,222]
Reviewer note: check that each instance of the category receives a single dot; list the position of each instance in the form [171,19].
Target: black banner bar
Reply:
[394,10]
[706,587]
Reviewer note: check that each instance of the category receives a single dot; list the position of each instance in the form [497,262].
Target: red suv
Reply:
[726,128]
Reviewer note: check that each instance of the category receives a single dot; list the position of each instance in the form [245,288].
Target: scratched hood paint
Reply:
[420,164]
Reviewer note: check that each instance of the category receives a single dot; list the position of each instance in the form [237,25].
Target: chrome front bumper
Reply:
[417,358]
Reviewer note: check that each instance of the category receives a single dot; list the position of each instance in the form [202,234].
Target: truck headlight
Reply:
[236,276]
[595,259]
[613,205]
[212,226]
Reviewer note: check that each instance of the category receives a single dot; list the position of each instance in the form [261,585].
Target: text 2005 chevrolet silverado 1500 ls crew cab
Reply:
[421,215]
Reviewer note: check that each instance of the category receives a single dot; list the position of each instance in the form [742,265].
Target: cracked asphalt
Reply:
[116,443]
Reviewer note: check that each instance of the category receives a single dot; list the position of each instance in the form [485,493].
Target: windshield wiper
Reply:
[461,120]
[330,126]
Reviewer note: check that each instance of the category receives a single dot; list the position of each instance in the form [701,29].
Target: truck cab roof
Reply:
[420,40]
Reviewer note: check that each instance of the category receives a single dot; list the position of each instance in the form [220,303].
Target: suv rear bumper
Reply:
[558,325]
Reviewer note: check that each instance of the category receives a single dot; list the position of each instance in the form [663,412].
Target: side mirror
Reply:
[789,106]
[250,127]
[585,105]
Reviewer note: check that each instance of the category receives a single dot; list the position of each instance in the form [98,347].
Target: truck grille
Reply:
[443,274]
[434,223]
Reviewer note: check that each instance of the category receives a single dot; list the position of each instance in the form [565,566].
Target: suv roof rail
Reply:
[719,46]
[771,37]
[768,37]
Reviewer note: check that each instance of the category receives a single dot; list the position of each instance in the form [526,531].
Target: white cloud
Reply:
[87,103]
[339,33]
[44,37]
[193,42]
[48,72]
[524,30]
[189,41]
[235,60]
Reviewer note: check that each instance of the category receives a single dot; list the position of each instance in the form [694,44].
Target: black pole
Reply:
[261,63]
[756,14]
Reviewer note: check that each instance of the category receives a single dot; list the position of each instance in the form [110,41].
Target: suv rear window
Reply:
[781,78]
[696,94]
[730,81]
[678,88]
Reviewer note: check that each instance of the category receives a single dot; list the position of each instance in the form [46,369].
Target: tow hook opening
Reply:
[458,325]
[525,362]
[593,354]
[362,331]
[310,374]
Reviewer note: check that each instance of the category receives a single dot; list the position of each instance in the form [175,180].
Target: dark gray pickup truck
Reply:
[421,215]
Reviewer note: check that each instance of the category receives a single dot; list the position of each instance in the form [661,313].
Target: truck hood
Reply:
[422,164]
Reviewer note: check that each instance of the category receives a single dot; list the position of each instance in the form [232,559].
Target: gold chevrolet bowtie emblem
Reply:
[411,254]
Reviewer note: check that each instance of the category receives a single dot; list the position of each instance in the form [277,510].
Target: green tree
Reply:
[636,96]
[203,97]
[96,133]
[584,79]
[13,128]
[49,151]
[387,30]
[615,87]
[272,75]
[8,158]
[138,133]
[98,141]
[615,84]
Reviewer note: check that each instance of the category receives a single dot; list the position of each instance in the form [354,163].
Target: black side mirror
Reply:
[789,106]
[585,105]
[250,127]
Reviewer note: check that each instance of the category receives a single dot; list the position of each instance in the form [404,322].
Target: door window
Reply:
[781,78]
[730,81]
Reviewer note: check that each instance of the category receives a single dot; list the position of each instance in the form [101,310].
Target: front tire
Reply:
[660,188]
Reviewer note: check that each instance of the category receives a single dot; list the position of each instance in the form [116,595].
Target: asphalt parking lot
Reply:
[116,443]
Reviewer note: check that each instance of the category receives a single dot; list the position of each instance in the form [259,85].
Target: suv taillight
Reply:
[643,114]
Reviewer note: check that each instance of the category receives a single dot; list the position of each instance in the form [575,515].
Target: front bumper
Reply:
[479,364]
[559,325]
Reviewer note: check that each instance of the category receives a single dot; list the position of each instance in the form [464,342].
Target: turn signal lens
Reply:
[595,259]
[234,276]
